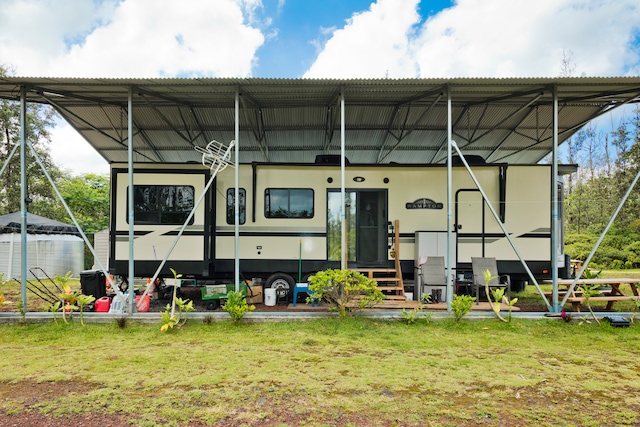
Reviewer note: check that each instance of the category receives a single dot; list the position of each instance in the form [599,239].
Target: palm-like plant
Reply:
[498,297]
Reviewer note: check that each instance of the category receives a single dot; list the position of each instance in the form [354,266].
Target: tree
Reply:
[87,195]
[590,206]
[567,66]
[40,119]
[88,198]
[627,166]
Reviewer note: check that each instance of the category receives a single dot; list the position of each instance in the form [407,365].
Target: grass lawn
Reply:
[355,372]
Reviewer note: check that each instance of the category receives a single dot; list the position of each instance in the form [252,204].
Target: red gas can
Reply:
[103,304]
[143,306]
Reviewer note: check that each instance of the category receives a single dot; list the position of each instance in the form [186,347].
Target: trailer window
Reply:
[231,192]
[288,203]
[162,204]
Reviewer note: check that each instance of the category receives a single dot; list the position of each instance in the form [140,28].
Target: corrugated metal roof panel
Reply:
[386,120]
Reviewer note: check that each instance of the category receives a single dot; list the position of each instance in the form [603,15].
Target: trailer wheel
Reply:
[282,283]
[213,304]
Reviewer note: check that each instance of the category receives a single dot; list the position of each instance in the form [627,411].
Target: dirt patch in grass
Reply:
[31,393]
[512,408]
[23,397]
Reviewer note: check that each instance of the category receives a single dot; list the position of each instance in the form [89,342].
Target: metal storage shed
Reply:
[53,246]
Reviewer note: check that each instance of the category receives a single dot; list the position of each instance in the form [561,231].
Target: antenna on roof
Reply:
[215,154]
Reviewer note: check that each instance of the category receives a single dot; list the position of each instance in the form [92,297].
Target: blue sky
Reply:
[319,38]
[302,27]
[299,24]
[311,39]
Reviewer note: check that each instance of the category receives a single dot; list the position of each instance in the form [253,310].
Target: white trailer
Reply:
[291,212]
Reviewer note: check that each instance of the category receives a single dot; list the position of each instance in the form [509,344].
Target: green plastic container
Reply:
[214,293]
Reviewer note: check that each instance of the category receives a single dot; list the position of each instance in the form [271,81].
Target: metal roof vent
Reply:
[330,159]
[472,160]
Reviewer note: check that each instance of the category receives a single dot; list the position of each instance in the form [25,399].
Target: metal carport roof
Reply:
[293,120]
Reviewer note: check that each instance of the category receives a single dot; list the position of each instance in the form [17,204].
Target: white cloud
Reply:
[125,38]
[132,38]
[506,38]
[372,44]
[485,38]
[70,151]
[33,32]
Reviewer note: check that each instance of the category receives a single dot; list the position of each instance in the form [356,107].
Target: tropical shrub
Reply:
[172,318]
[236,305]
[346,289]
[461,305]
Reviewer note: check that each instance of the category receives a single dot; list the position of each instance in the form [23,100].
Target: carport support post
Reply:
[343,258]
[449,203]
[236,219]
[23,194]
[554,205]
[130,197]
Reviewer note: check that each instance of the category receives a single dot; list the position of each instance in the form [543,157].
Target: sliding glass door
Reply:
[366,227]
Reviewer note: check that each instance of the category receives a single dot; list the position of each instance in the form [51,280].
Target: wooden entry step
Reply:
[396,297]
[389,279]
[386,279]
[388,288]
[392,282]
[374,270]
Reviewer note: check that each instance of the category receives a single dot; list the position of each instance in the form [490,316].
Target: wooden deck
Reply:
[442,306]
[390,283]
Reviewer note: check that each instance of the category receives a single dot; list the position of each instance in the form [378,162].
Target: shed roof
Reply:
[293,120]
[36,224]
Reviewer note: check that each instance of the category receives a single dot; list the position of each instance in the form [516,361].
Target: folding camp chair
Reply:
[479,266]
[434,278]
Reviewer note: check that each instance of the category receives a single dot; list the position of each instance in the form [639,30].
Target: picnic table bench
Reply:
[610,295]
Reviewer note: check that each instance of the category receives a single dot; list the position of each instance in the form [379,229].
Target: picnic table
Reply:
[611,295]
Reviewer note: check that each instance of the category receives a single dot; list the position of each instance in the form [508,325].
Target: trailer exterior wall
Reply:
[265,239]
[415,195]
[152,241]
